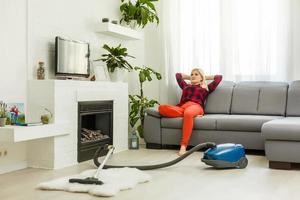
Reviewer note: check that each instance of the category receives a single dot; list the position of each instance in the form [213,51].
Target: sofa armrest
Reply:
[152,129]
[153,112]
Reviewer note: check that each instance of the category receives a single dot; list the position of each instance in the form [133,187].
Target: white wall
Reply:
[13,70]
[154,52]
[295,16]
[13,58]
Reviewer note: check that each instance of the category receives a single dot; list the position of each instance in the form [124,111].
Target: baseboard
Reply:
[13,167]
[153,146]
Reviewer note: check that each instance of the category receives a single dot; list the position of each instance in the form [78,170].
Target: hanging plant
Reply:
[143,12]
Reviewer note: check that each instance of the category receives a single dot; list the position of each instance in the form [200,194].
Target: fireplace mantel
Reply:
[61,97]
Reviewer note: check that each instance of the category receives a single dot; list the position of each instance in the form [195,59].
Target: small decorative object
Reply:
[16,113]
[46,117]
[3,108]
[104,20]
[114,21]
[41,71]
[134,141]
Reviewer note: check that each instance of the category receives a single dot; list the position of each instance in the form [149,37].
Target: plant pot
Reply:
[2,121]
[118,75]
[45,119]
[133,24]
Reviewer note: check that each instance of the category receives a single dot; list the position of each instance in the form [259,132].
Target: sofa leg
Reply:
[280,165]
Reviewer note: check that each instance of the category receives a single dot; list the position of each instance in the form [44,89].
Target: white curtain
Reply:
[240,39]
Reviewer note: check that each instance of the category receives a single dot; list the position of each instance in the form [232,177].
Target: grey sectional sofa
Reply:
[259,115]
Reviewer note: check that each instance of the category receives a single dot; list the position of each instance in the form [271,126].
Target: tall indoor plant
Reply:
[139,103]
[116,61]
[141,13]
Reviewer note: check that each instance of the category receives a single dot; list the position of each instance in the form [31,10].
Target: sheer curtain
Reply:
[240,39]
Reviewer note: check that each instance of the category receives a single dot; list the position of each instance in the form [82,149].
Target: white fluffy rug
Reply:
[114,180]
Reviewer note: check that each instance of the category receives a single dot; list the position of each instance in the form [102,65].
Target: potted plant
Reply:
[140,13]
[3,108]
[116,61]
[139,103]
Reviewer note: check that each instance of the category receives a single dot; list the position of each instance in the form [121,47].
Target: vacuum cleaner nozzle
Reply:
[88,180]
[94,179]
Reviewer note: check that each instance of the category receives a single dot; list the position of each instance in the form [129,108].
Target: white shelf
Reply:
[25,133]
[119,31]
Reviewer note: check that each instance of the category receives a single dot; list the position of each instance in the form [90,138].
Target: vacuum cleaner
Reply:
[222,156]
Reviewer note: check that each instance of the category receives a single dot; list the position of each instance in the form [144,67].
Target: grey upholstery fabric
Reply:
[262,98]
[272,100]
[153,112]
[244,100]
[251,123]
[219,101]
[249,141]
[282,129]
[283,151]
[206,122]
[152,129]
[293,105]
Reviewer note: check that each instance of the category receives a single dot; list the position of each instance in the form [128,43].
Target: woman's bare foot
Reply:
[182,150]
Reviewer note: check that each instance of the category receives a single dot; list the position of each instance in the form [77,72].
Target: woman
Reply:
[191,102]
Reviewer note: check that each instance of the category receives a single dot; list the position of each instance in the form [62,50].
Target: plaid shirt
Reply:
[196,93]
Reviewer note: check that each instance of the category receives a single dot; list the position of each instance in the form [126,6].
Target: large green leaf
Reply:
[133,121]
[142,77]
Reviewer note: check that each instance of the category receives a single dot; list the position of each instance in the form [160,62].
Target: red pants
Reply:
[188,111]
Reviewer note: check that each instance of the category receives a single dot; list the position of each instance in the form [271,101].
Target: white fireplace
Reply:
[61,97]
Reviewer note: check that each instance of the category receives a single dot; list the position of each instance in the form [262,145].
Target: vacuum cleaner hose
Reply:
[156,166]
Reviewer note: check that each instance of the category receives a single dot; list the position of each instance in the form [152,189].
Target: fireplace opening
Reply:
[95,127]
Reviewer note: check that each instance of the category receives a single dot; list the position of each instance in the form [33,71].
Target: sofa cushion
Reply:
[244,100]
[250,123]
[282,129]
[260,98]
[206,122]
[293,104]
[219,101]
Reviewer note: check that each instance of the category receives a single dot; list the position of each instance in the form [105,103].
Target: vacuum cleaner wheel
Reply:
[243,162]
[221,164]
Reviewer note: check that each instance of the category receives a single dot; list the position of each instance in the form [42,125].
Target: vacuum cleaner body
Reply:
[226,156]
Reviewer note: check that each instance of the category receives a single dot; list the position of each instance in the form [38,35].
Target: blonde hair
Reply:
[203,82]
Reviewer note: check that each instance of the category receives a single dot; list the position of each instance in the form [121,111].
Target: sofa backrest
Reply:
[293,103]
[219,101]
[260,98]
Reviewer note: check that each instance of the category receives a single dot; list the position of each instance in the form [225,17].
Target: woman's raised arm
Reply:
[180,80]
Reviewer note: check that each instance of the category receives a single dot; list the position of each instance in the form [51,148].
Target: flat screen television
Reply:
[71,58]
